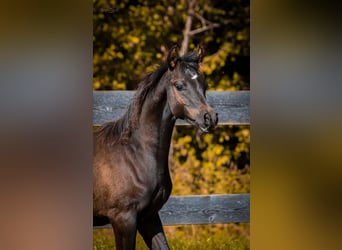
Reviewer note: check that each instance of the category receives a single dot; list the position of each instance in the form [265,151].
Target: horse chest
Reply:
[160,187]
[156,203]
[157,196]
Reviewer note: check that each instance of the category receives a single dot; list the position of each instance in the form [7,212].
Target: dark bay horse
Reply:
[131,179]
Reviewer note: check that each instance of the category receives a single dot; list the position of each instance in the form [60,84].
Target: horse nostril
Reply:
[210,120]
[207,119]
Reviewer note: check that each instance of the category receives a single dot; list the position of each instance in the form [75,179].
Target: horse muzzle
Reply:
[205,121]
[210,120]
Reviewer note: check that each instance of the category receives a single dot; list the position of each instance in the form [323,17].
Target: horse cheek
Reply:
[176,106]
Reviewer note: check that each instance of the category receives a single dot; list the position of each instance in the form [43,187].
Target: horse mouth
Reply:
[197,125]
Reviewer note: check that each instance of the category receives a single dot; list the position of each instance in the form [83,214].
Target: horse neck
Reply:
[156,121]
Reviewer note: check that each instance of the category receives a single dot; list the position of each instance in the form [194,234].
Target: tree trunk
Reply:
[187,30]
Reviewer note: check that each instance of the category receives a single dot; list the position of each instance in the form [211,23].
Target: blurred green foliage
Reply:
[130,39]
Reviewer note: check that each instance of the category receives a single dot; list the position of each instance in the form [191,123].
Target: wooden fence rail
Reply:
[232,106]
[232,109]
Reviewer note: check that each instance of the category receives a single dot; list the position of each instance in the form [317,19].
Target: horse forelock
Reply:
[190,60]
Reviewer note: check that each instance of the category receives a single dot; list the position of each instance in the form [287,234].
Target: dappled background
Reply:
[130,39]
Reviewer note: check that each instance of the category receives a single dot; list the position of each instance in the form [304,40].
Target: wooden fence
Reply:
[233,109]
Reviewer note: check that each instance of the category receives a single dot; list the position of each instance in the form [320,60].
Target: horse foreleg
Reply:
[153,234]
[125,230]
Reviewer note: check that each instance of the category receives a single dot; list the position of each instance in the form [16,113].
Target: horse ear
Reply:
[173,57]
[200,53]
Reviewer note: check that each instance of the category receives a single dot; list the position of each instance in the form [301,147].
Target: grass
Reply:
[180,239]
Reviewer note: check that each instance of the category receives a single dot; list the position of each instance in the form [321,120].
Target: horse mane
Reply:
[119,131]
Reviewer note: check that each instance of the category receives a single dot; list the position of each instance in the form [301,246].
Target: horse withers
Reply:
[131,179]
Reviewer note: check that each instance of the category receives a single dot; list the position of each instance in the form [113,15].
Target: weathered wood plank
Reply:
[232,106]
[204,209]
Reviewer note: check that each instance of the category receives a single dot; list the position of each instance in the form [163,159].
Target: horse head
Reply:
[186,91]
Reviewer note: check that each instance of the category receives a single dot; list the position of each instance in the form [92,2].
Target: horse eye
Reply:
[179,86]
